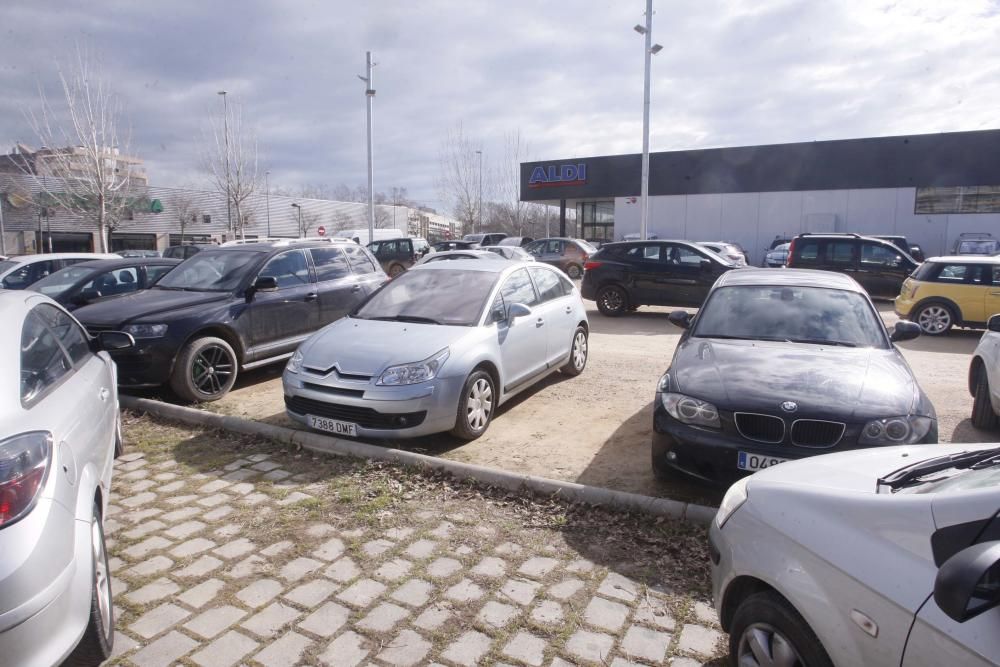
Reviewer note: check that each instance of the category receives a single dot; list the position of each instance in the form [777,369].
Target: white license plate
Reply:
[747,461]
[333,426]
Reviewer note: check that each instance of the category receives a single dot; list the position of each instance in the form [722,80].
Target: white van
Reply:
[361,235]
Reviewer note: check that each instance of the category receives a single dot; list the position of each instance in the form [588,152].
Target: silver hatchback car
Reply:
[59,432]
[438,349]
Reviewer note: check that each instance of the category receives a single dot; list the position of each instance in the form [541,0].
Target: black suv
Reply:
[623,276]
[879,266]
[395,255]
[915,251]
[232,308]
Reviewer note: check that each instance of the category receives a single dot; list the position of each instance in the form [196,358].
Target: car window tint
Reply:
[566,283]
[840,252]
[650,252]
[27,275]
[289,269]
[554,247]
[359,260]
[952,273]
[808,250]
[682,256]
[880,255]
[66,330]
[331,263]
[154,273]
[119,281]
[73,260]
[547,284]
[518,289]
[43,362]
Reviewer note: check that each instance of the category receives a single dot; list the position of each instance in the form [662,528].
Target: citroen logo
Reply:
[789,406]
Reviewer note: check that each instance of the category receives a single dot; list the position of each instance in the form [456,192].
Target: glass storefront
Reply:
[596,220]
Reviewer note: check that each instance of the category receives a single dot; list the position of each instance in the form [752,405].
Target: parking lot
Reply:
[595,429]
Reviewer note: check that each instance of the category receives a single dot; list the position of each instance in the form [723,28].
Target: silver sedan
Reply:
[438,349]
[59,432]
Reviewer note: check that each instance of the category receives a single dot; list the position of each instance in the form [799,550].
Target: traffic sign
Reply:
[321,230]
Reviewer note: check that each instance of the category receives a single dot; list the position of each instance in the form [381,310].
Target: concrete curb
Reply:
[592,495]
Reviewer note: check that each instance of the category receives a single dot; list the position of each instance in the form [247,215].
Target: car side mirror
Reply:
[680,318]
[904,330]
[517,310]
[994,323]
[113,340]
[266,284]
[968,583]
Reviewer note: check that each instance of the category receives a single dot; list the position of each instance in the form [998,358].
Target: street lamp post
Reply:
[649,51]
[299,207]
[225,124]
[267,199]
[480,154]
[370,96]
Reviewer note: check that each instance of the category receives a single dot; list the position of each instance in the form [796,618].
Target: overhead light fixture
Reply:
[656,48]
[640,29]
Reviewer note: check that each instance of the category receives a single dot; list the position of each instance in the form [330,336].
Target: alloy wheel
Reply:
[212,369]
[612,300]
[579,350]
[761,645]
[934,319]
[480,404]
[102,583]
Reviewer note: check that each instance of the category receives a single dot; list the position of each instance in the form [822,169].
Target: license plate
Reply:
[753,462]
[333,426]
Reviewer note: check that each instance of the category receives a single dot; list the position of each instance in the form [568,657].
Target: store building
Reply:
[929,187]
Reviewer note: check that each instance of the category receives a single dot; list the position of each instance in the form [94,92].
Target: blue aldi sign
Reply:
[555,175]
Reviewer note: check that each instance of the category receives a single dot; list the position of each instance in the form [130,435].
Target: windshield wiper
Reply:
[817,341]
[906,475]
[416,319]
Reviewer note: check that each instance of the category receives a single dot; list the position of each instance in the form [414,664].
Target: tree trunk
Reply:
[102,245]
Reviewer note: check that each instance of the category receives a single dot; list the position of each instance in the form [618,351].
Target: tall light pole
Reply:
[267,199]
[299,207]
[225,124]
[370,96]
[480,154]
[649,51]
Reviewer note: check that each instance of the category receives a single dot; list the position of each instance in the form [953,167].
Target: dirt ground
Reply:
[596,428]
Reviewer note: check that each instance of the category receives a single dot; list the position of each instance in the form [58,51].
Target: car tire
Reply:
[982,408]
[766,620]
[935,318]
[574,271]
[476,406]
[577,354]
[119,440]
[205,370]
[99,637]
[396,270]
[612,301]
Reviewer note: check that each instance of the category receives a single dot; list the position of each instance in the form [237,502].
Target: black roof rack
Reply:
[850,234]
[976,235]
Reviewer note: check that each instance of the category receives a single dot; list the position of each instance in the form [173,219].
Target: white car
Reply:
[727,250]
[874,557]
[59,434]
[984,377]
[20,272]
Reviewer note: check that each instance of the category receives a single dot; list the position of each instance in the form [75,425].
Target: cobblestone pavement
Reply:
[229,550]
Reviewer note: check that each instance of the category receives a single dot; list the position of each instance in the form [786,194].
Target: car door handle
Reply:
[103,394]
[356,288]
[569,309]
[539,323]
[312,296]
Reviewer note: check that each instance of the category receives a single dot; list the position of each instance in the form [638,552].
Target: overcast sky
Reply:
[567,74]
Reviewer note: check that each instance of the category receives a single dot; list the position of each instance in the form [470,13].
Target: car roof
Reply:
[110,264]
[790,278]
[61,255]
[498,266]
[966,259]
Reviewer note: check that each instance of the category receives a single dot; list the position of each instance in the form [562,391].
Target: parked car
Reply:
[60,433]
[568,254]
[510,252]
[90,282]
[138,253]
[984,377]
[781,365]
[361,236]
[448,255]
[914,251]
[960,290]
[776,256]
[884,558]
[491,238]
[20,272]
[976,243]
[518,241]
[623,276]
[187,250]
[444,246]
[395,255]
[420,246]
[231,309]
[730,251]
[438,349]
[879,266]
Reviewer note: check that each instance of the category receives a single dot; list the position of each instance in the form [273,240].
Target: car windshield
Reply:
[221,271]
[7,265]
[434,296]
[589,249]
[61,280]
[978,247]
[816,315]
[473,238]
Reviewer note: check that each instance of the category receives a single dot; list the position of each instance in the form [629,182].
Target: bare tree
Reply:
[84,166]
[184,209]
[507,177]
[231,161]
[459,181]
[307,221]
[342,220]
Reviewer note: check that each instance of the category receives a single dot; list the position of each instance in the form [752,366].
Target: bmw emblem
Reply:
[789,406]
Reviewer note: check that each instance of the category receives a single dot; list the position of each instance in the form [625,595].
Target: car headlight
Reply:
[295,363]
[895,430]
[690,410]
[734,498]
[418,371]
[146,330]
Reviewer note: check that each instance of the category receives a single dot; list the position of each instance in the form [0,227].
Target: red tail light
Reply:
[24,465]
[590,266]
[791,254]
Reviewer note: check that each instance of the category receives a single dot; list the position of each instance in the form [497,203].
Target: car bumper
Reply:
[381,412]
[903,307]
[147,364]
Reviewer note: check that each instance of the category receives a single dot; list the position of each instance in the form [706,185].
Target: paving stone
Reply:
[210,623]
[157,620]
[398,533]
[294,497]
[685,662]
[548,612]
[405,650]
[285,652]
[699,640]
[622,662]
[527,648]
[164,651]
[559,662]
[259,592]
[376,548]
[277,548]
[266,466]
[353,533]
[605,614]
[129,457]
[271,619]
[220,512]
[421,549]
[520,591]
[227,650]
[213,486]
[537,567]
[240,475]
[592,646]
[394,570]
[143,485]
[134,475]
[508,549]
[181,500]
[362,593]
[166,465]
[257,458]
[425,515]
[247,567]
[464,591]
[201,594]
[566,589]
[705,614]
[172,486]
[140,516]
[468,649]
[151,592]
[311,593]
[443,568]
[118,587]
[490,567]
[343,570]
[150,566]
[143,529]
[139,500]
[192,547]
[347,650]
[497,614]
[433,617]
[320,530]
[165,476]
[255,498]
[181,514]
[212,501]
[240,489]
[276,475]
[383,617]
[326,620]
[617,586]
[123,644]
[655,613]
[580,566]
[183,530]
[235,549]
[297,569]
[332,549]
[147,546]
[199,567]
[443,530]
[414,593]
[645,644]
